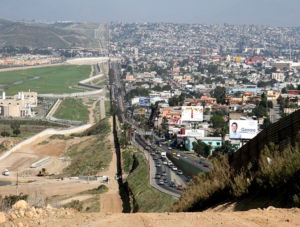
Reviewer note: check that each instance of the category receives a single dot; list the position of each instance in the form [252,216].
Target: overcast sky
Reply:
[264,12]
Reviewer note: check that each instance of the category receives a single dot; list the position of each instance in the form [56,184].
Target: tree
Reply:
[238,94]
[156,88]
[260,111]
[15,125]
[202,148]
[164,123]
[290,87]
[283,90]
[5,133]
[220,94]
[217,121]
[166,88]
[267,122]
[16,131]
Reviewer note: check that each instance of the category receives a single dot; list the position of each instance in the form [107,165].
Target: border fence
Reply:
[282,133]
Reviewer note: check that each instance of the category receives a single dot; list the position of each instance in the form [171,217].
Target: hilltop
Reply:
[22,34]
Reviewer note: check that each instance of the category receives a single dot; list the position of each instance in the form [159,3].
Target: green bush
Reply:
[75,204]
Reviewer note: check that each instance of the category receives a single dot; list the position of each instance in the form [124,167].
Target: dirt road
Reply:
[111,201]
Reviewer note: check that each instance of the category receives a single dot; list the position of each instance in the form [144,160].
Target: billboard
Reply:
[242,129]
[144,101]
[194,132]
[192,113]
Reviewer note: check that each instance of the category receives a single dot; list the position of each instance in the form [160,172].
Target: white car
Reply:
[179,172]
[174,168]
[170,148]
[5,172]
[165,162]
[161,182]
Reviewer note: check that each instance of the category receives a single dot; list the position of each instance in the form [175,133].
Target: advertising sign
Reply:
[144,101]
[243,129]
[194,132]
[192,113]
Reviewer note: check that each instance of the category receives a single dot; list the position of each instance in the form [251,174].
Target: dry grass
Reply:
[278,178]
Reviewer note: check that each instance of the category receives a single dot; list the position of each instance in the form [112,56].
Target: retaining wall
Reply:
[187,167]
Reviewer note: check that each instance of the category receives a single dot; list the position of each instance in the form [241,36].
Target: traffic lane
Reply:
[181,177]
[188,158]
[167,186]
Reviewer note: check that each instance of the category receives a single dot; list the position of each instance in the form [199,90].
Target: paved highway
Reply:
[171,175]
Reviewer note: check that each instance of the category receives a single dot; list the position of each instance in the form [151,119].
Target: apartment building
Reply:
[19,106]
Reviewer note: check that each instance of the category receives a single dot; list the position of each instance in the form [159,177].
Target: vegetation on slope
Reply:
[21,34]
[72,109]
[147,198]
[92,155]
[275,178]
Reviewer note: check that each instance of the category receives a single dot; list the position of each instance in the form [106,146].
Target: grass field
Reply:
[56,79]
[72,109]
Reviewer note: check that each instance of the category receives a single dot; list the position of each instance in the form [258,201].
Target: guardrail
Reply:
[40,162]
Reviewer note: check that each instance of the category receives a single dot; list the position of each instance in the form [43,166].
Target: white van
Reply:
[5,172]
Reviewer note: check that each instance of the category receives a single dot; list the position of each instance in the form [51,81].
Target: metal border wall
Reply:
[282,133]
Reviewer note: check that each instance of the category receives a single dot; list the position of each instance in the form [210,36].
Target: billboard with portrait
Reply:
[192,113]
[243,129]
[144,101]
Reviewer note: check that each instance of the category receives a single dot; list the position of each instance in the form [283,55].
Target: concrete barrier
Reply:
[40,162]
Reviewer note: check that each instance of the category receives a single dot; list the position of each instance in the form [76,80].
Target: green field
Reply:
[56,79]
[72,109]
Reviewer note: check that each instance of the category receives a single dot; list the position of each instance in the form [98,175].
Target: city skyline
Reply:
[258,12]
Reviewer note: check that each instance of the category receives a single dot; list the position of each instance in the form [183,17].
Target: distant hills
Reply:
[21,34]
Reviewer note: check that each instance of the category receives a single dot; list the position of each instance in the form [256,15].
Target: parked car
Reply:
[157,176]
[5,172]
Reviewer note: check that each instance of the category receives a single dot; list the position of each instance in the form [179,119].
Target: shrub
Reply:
[8,201]
[75,204]
[5,134]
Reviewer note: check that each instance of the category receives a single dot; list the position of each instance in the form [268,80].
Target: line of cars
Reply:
[162,177]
